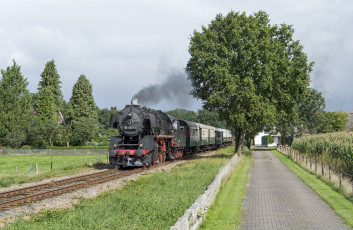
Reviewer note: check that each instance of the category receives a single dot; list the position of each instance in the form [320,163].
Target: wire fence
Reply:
[52,151]
[337,177]
[34,168]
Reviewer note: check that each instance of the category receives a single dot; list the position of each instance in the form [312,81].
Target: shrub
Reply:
[247,151]
[6,181]
[26,147]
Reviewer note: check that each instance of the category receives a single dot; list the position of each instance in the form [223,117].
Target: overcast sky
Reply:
[125,46]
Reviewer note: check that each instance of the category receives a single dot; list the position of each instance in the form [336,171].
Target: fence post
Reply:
[16,170]
[30,168]
[98,158]
[51,166]
[322,169]
[36,166]
[329,173]
[306,162]
[310,163]
[340,178]
[315,166]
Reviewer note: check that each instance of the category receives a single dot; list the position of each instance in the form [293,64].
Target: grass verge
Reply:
[226,212]
[154,201]
[62,165]
[339,203]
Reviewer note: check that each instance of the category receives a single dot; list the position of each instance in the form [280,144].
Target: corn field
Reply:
[333,148]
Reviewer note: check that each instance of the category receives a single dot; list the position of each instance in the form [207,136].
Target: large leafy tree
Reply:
[249,71]
[310,111]
[49,100]
[104,116]
[183,114]
[82,109]
[84,130]
[310,117]
[15,107]
[333,121]
[210,118]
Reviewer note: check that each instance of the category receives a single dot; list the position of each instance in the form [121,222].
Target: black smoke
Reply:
[175,88]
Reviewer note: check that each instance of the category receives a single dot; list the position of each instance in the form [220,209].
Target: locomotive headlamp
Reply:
[141,145]
[130,114]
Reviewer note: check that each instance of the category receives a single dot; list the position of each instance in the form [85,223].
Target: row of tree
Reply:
[44,119]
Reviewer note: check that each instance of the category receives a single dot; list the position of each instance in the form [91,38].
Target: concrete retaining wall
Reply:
[194,216]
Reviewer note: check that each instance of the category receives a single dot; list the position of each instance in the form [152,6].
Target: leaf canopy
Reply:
[249,71]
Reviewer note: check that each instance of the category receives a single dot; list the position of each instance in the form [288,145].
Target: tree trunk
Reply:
[239,140]
[284,141]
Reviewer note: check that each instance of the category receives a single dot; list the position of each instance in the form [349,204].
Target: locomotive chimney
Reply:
[135,101]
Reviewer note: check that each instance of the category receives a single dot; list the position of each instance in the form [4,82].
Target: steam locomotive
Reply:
[150,136]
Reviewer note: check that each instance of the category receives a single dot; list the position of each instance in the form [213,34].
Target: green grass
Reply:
[226,212]
[153,201]
[62,165]
[339,203]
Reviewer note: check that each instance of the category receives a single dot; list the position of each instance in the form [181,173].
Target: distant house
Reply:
[263,139]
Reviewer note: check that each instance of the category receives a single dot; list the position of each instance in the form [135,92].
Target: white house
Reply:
[262,139]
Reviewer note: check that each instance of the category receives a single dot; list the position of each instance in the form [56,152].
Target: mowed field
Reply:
[48,166]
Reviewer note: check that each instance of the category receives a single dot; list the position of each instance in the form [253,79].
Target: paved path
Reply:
[277,199]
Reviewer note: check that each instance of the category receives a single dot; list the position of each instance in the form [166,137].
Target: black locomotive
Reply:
[150,136]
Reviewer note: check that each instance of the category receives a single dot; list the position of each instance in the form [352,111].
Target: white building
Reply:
[262,139]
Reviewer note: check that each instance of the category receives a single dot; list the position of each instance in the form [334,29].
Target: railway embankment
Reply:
[153,200]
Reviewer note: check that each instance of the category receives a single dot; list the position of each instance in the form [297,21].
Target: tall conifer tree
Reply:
[81,104]
[82,112]
[49,98]
[15,107]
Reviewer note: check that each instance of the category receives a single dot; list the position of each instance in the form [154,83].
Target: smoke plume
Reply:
[175,88]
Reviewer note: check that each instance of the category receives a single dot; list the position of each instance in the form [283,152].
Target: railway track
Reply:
[20,196]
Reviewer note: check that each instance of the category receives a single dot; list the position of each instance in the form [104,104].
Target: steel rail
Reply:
[52,184]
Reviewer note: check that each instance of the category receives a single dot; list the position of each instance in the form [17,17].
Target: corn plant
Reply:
[333,148]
